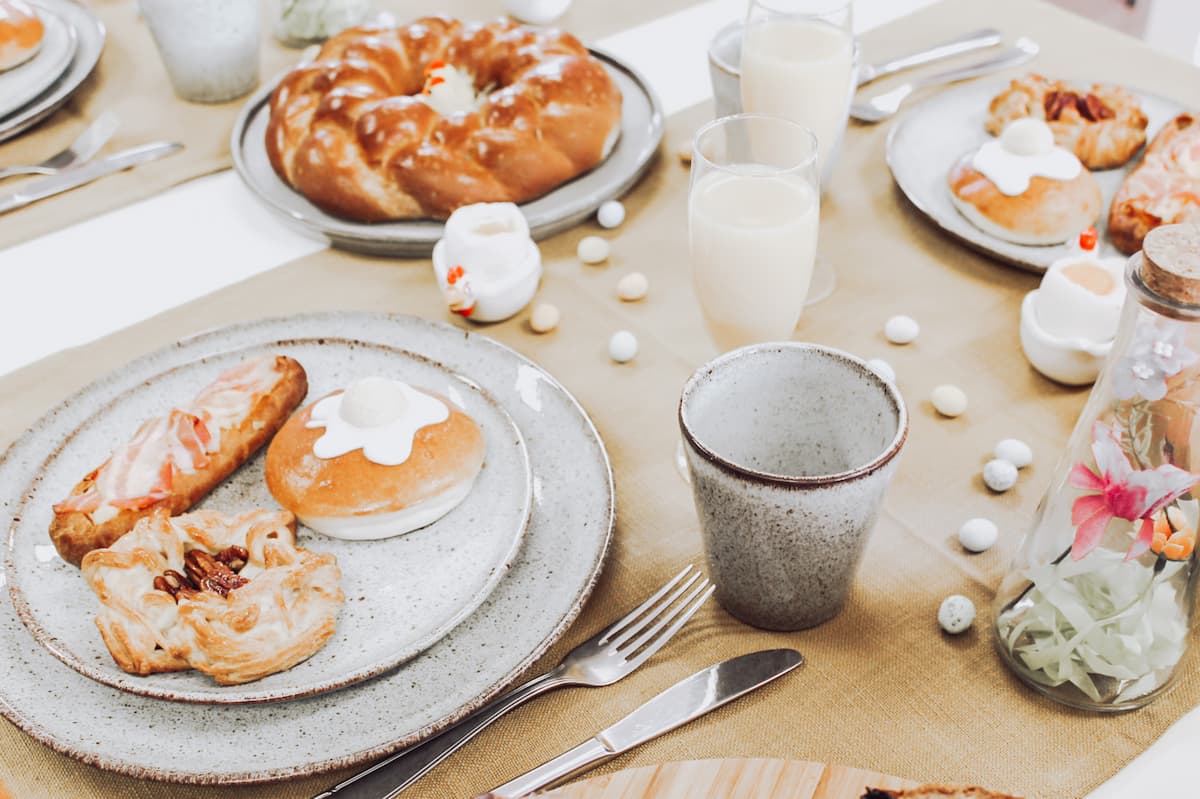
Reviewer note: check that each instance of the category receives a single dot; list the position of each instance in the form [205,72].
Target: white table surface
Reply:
[116,260]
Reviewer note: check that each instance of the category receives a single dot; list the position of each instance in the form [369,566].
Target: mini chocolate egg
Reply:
[623,346]
[544,317]
[1015,451]
[999,475]
[611,214]
[593,250]
[978,535]
[633,287]
[901,330]
[949,401]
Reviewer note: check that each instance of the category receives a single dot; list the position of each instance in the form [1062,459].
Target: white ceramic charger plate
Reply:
[402,593]
[90,34]
[565,207]
[932,135]
[542,593]
[26,81]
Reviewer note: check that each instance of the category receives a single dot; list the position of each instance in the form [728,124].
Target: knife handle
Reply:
[574,761]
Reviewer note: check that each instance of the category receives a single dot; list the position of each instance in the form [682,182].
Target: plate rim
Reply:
[358,236]
[57,94]
[37,731]
[62,65]
[114,678]
[981,246]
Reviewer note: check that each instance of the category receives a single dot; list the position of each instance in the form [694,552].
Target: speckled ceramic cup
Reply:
[790,448]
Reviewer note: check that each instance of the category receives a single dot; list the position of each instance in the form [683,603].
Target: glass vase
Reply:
[1095,609]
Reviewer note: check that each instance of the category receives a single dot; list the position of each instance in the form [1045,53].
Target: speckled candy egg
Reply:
[956,614]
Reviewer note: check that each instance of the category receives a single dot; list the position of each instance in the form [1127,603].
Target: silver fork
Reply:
[884,106]
[603,660]
[82,149]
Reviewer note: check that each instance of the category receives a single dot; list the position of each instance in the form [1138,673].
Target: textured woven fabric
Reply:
[883,687]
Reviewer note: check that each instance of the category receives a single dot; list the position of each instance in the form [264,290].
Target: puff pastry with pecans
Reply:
[1102,124]
[231,596]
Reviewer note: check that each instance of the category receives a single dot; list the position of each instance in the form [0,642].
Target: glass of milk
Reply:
[752,226]
[798,62]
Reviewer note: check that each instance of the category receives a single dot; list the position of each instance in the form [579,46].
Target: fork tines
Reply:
[640,634]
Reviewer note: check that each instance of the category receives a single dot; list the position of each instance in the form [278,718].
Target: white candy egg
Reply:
[956,614]
[623,346]
[1027,136]
[978,535]
[901,329]
[593,250]
[544,317]
[537,12]
[949,400]
[611,214]
[1015,451]
[999,475]
[373,402]
[633,287]
[882,368]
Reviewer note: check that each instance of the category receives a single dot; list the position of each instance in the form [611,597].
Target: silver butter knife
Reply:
[75,177]
[967,43]
[683,702]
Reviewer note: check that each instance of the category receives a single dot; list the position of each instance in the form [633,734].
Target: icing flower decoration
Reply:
[1120,491]
[1155,355]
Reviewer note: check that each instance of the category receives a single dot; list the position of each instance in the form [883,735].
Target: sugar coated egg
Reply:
[999,475]
[901,329]
[949,400]
[978,535]
[1015,451]
[611,214]
[956,614]
[593,250]
[544,317]
[623,346]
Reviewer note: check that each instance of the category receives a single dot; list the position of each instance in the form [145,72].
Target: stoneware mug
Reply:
[790,448]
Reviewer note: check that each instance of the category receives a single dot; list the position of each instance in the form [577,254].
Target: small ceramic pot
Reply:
[210,47]
[790,448]
[1070,361]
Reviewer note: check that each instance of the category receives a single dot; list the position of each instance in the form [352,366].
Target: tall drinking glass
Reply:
[753,209]
[797,62]
[752,226]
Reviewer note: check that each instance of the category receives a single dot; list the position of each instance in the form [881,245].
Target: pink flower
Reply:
[1120,492]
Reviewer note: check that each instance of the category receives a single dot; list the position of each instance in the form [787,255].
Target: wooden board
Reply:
[732,779]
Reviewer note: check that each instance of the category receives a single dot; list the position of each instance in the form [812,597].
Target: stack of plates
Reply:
[435,621]
[70,49]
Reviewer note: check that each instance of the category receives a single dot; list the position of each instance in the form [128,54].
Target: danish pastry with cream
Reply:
[1025,189]
[380,459]
[231,596]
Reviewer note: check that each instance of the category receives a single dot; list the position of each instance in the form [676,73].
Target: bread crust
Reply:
[444,455]
[1144,199]
[74,534]
[1049,212]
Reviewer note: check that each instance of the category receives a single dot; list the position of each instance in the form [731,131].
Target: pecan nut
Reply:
[209,574]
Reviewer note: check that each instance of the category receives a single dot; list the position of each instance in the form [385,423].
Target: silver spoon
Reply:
[884,106]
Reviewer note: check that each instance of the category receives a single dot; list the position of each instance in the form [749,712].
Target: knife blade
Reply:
[684,701]
[75,177]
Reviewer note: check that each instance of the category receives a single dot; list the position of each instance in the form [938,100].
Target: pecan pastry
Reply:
[231,596]
[1103,125]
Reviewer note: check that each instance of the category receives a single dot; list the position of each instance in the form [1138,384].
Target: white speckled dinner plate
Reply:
[933,134]
[565,207]
[90,34]
[402,593]
[539,596]
[22,83]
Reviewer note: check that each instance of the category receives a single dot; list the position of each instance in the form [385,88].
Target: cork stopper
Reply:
[1171,263]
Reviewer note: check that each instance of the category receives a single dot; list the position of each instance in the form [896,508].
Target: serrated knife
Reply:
[77,176]
[684,701]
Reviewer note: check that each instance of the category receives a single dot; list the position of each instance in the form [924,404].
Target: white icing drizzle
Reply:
[1011,172]
[388,443]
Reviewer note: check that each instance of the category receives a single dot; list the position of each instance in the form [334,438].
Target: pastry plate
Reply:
[402,593]
[565,207]
[89,33]
[931,136]
[541,594]
[21,84]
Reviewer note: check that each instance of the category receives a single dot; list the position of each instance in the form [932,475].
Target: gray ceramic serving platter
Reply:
[563,208]
[932,135]
[538,597]
[89,33]
[403,593]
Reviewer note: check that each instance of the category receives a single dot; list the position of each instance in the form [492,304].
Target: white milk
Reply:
[753,241]
[801,70]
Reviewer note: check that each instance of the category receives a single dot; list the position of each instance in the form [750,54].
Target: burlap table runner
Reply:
[131,81]
[883,688]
